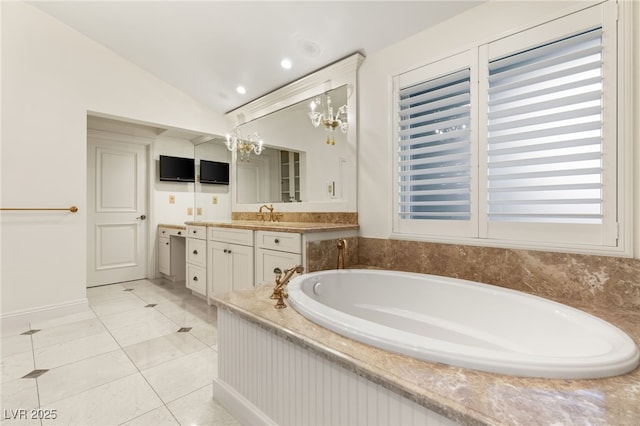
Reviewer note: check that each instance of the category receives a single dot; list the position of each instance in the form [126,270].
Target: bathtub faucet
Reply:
[342,250]
[279,291]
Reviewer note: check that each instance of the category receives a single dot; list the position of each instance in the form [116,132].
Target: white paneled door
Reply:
[117,195]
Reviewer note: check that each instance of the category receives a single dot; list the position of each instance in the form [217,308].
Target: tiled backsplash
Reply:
[603,280]
[315,217]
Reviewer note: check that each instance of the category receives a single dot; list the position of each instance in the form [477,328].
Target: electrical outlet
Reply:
[172,199]
[199,211]
[189,211]
[214,200]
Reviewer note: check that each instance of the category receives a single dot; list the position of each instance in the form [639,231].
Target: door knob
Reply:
[142,217]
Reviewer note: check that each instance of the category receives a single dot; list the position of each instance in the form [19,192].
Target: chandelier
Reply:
[244,147]
[326,117]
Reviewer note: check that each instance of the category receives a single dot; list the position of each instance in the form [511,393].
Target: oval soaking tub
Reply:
[463,323]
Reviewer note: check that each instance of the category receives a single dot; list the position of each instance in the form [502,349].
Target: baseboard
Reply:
[240,407]
[21,320]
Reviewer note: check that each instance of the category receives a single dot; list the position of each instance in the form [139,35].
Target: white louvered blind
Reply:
[435,148]
[545,133]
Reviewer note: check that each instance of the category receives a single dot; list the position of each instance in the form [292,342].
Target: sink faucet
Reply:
[279,291]
[262,215]
[342,250]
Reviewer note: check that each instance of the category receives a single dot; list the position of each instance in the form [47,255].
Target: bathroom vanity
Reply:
[240,254]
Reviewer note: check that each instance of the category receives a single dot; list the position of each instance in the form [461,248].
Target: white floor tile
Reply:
[132,327]
[53,356]
[71,379]
[181,376]
[109,404]
[105,293]
[117,306]
[19,394]
[206,333]
[161,349]
[199,408]
[158,417]
[15,366]
[66,319]
[67,332]
[14,345]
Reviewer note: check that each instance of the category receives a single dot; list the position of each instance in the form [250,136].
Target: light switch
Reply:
[214,200]
[199,211]
[189,211]
[172,199]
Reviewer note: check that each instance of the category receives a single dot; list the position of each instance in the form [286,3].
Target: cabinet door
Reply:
[268,260]
[197,279]
[218,262]
[241,258]
[164,255]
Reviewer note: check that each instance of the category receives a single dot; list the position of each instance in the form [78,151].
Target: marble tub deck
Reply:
[466,396]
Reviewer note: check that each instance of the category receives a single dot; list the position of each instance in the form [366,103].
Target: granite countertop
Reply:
[464,395]
[172,226]
[298,227]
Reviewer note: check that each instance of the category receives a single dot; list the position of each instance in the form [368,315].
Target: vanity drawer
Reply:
[199,232]
[197,279]
[168,232]
[231,235]
[197,252]
[282,241]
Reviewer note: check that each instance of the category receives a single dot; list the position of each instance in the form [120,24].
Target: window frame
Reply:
[605,239]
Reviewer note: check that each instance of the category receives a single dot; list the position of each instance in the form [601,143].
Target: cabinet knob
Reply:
[179,232]
[166,244]
[195,278]
[195,252]
[277,241]
[195,231]
[226,251]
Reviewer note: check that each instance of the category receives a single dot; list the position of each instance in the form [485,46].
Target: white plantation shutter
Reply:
[545,139]
[434,148]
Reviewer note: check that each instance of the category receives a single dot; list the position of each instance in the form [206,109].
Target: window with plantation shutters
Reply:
[434,148]
[544,149]
[515,141]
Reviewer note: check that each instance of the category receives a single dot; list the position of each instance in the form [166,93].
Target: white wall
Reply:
[51,77]
[483,23]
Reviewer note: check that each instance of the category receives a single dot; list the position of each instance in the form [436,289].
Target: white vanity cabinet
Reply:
[229,259]
[171,262]
[276,250]
[196,259]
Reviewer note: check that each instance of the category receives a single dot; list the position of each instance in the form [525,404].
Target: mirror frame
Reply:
[341,73]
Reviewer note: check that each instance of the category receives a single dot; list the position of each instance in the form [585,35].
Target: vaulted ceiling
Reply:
[209,48]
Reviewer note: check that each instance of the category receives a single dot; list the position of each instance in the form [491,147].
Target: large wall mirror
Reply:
[298,170]
[297,165]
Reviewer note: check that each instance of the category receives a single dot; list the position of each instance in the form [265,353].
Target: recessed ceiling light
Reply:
[286,63]
[241,90]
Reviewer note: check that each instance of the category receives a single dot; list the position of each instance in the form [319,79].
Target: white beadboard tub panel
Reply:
[289,385]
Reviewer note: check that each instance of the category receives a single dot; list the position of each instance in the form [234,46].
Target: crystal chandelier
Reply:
[244,146]
[330,121]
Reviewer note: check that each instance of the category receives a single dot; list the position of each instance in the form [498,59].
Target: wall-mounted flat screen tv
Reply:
[214,172]
[177,169]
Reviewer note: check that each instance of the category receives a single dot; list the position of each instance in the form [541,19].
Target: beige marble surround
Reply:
[600,280]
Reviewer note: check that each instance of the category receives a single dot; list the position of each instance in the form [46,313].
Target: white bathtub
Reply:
[463,323]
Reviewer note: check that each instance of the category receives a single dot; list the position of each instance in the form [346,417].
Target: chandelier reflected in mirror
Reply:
[244,147]
[325,116]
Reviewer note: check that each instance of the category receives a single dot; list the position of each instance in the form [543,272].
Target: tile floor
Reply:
[145,354]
